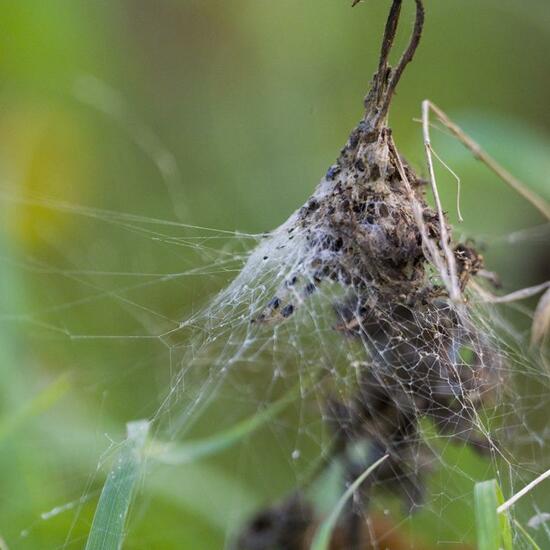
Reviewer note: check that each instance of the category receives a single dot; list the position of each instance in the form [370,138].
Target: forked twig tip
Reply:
[386,79]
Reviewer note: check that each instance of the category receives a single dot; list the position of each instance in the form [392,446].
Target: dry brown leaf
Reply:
[541,320]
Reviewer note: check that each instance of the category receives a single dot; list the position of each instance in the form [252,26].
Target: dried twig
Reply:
[454,290]
[407,56]
[386,79]
[430,248]
[541,319]
[458,183]
[538,202]
[522,294]
[511,501]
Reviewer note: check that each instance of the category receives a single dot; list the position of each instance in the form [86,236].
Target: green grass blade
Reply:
[529,538]
[487,521]
[40,403]
[506,531]
[107,532]
[323,535]
[193,450]
[493,529]
[208,491]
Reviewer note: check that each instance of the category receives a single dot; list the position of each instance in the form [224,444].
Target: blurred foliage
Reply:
[224,115]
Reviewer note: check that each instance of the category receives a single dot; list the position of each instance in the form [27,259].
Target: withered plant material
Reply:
[361,226]
[369,229]
[541,322]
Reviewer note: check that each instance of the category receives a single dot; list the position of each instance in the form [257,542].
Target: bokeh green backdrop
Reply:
[222,115]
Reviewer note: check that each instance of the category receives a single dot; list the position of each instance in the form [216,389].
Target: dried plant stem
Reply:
[530,486]
[386,79]
[521,294]
[408,54]
[458,183]
[454,289]
[430,248]
[538,202]
[388,39]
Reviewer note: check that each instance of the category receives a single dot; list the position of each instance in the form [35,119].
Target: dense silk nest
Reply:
[368,230]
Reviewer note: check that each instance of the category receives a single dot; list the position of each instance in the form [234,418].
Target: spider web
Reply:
[450,405]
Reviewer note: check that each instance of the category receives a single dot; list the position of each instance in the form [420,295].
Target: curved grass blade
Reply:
[208,492]
[527,536]
[107,532]
[194,450]
[493,529]
[323,535]
[40,403]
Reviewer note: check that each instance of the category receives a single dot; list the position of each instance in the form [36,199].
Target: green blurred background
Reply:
[221,115]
